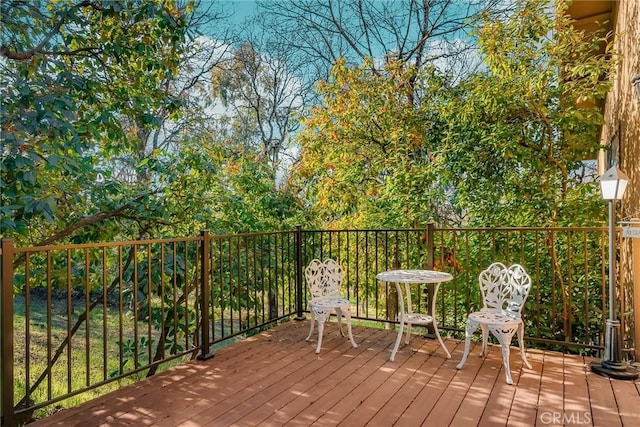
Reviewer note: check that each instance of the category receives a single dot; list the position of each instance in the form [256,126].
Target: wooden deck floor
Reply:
[275,379]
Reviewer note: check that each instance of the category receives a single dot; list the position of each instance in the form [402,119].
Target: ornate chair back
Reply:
[324,278]
[505,289]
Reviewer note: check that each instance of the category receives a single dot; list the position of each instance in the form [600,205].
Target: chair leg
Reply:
[321,318]
[339,315]
[505,360]
[485,339]
[504,337]
[313,320]
[469,330]
[347,315]
[521,343]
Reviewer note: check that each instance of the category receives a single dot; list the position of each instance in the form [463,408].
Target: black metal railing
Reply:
[568,267]
[78,317]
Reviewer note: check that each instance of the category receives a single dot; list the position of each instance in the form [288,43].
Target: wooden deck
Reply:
[275,379]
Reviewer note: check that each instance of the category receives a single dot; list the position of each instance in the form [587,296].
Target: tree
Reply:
[520,131]
[416,33]
[263,96]
[425,40]
[72,72]
[367,154]
[504,147]
[522,135]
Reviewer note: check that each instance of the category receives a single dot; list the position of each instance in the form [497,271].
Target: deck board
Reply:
[355,389]
[347,366]
[627,400]
[551,398]
[428,396]
[426,368]
[576,390]
[275,378]
[444,411]
[501,400]
[524,409]
[476,399]
[602,400]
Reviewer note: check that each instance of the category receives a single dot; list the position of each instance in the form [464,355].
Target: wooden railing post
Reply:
[6,338]
[430,246]
[205,342]
[298,275]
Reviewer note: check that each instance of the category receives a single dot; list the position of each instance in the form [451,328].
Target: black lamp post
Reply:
[613,184]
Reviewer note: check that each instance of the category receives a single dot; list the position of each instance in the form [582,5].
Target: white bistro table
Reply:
[408,317]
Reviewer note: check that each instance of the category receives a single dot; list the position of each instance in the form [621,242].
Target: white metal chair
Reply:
[504,292]
[324,280]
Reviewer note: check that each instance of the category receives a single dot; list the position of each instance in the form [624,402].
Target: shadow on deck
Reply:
[275,378]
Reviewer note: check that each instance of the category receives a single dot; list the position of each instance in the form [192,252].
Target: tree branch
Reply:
[101,216]
[39,49]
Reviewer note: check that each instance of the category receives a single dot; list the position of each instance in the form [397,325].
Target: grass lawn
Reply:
[93,355]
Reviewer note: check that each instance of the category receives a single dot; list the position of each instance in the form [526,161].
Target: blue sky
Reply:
[241,9]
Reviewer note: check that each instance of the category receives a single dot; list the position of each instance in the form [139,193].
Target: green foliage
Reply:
[506,146]
[519,131]
[74,76]
[368,151]
[94,89]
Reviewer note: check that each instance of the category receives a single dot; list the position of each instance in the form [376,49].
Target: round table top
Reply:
[414,276]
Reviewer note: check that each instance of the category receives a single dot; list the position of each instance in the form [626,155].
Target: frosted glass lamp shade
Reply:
[613,184]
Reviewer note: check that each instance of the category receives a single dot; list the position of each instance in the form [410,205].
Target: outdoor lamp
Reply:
[613,184]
